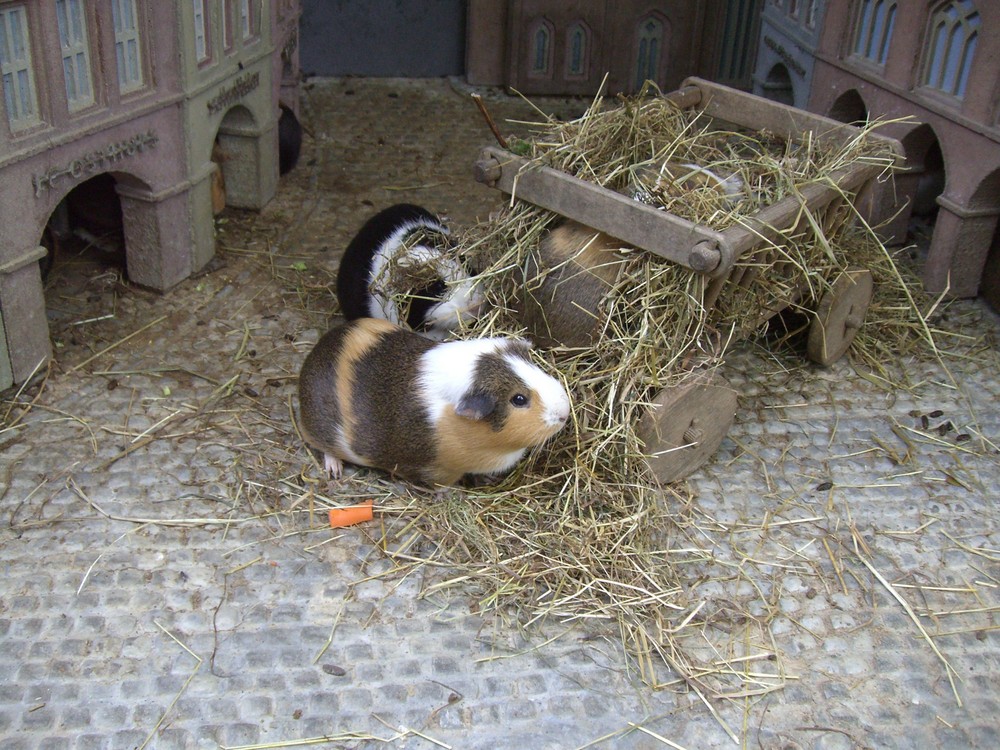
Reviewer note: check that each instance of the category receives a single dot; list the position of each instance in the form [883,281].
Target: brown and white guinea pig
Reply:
[561,302]
[375,394]
[423,285]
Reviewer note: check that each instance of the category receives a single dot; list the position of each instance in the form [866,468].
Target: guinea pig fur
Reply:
[562,299]
[375,394]
[367,287]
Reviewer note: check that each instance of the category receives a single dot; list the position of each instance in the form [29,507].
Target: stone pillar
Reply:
[251,166]
[961,241]
[24,330]
[160,247]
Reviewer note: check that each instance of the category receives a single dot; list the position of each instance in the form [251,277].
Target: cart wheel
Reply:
[686,424]
[839,316]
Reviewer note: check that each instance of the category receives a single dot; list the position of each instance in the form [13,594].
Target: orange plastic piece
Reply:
[351,515]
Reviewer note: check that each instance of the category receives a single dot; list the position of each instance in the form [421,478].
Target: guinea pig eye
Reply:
[519,400]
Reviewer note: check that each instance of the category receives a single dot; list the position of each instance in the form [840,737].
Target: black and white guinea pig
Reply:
[423,286]
[375,394]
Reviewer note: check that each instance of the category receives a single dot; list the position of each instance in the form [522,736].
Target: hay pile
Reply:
[581,530]
[659,325]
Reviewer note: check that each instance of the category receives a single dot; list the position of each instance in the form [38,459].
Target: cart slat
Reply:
[691,245]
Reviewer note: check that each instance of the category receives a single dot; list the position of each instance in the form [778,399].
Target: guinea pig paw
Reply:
[333,465]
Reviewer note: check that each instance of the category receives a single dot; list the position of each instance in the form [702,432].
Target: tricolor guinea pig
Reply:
[376,394]
[390,272]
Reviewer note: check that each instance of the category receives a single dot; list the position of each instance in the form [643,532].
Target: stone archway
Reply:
[249,166]
[849,107]
[121,222]
[87,221]
[925,170]
[778,85]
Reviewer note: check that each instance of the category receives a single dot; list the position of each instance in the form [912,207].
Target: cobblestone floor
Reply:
[159,590]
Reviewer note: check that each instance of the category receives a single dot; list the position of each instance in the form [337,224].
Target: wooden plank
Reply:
[758,113]
[767,223]
[691,245]
[684,97]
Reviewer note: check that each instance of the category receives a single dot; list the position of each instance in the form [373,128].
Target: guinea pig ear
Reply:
[476,405]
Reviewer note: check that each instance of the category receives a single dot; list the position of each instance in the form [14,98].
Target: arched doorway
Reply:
[931,182]
[921,182]
[86,227]
[849,107]
[778,85]
[90,254]
[241,151]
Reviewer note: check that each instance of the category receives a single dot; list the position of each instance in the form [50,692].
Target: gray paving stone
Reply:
[106,672]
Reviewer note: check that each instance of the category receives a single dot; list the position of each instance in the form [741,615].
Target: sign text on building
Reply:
[243,86]
[94,161]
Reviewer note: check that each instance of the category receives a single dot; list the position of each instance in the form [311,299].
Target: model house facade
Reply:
[135,94]
[936,62]
[789,36]
[543,47]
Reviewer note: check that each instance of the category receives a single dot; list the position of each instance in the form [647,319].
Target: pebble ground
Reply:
[160,591]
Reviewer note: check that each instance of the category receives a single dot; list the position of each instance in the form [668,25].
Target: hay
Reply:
[417,275]
[582,530]
[660,322]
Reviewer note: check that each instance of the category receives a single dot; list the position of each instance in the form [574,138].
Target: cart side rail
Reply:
[757,113]
[692,245]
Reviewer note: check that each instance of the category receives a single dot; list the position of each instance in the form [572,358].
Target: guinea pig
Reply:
[561,302]
[289,140]
[674,180]
[372,393]
[421,284]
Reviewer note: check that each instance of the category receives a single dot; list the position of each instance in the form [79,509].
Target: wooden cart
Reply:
[687,423]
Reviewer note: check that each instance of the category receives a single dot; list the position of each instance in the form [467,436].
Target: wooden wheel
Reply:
[839,316]
[686,424]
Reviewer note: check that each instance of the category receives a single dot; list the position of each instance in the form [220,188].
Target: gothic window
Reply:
[128,51]
[577,50]
[541,49]
[15,68]
[649,51]
[874,30]
[75,53]
[951,46]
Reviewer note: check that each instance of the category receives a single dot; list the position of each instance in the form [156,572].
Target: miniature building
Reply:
[935,62]
[789,35]
[552,47]
[130,97]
